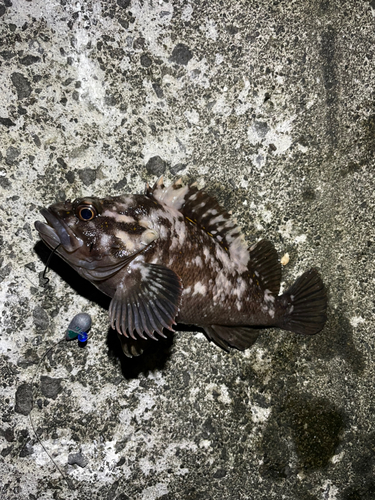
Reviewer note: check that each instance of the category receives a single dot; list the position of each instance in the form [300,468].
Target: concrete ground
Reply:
[271,105]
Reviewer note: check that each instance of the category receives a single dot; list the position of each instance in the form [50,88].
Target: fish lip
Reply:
[47,234]
[56,232]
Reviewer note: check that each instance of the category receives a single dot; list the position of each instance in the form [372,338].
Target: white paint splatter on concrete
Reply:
[192,116]
[337,458]
[300,239]
[265,134]
[154,492]
[221,392]
[329,491]
[356,320]
[259,414]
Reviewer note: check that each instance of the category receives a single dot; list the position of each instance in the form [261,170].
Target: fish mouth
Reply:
[56,232]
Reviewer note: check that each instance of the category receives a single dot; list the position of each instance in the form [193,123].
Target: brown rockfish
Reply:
[175,255]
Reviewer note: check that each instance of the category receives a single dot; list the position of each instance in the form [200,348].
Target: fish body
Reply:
[175,255]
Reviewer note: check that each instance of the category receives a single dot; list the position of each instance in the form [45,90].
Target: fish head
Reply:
[97,236]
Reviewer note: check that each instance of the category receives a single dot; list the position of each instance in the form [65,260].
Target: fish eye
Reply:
[86,212]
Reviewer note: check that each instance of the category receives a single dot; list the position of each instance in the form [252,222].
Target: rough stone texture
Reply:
[23,399]
[271,105]
[50,387]
[78,459]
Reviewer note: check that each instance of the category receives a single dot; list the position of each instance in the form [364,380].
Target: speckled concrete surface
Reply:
[270,105]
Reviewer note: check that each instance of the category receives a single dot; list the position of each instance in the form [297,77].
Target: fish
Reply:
[174,255]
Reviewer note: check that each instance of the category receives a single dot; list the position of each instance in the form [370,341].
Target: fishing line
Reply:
[81,320]
[78,329]
[46,280]
[67,479]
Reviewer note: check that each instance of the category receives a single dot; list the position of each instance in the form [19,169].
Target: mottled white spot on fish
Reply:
[171,197]
[126,239]
[197,261]
[199,288]
[105,240]
[127,219]
[218,219]
[149,236]
[268,297]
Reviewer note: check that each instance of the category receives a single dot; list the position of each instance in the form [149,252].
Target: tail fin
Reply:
[305,305]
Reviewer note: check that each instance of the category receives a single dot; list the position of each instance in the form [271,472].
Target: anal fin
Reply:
[240,337]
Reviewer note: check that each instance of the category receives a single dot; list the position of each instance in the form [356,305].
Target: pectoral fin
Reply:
[240,337]
[146,301]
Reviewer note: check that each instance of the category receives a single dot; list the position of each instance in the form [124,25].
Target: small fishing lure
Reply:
[78,328]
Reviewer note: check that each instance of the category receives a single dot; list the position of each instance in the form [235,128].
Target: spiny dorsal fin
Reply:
[201,209]
[264,261]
